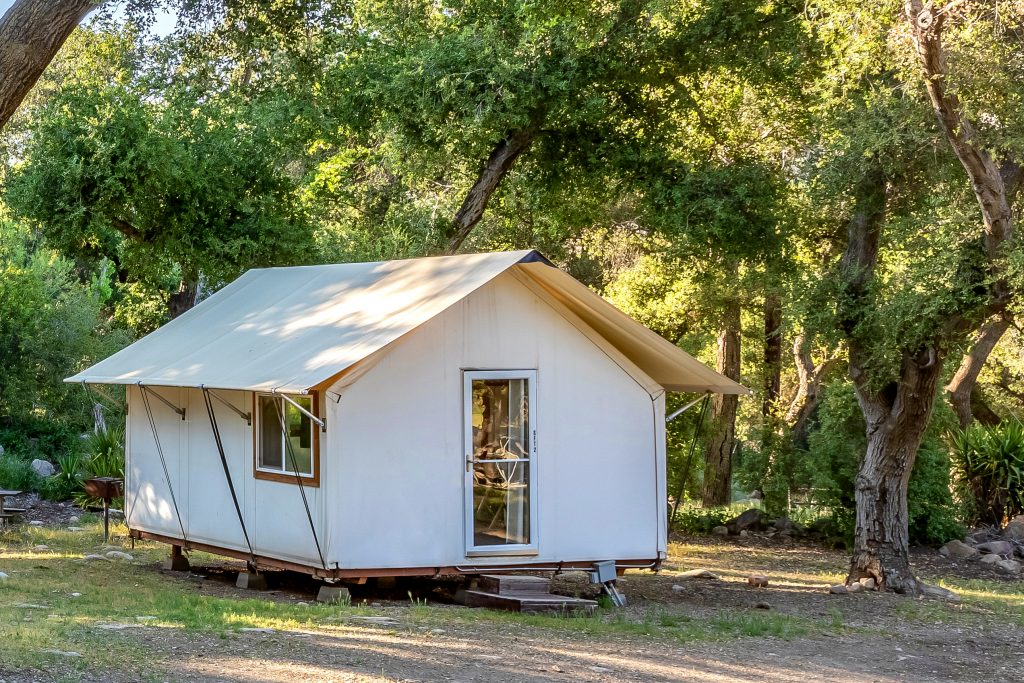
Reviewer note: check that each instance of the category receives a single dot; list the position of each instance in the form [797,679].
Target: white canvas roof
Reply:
[293,329]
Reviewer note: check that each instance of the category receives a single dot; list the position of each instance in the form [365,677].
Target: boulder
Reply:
[1014,530]
[869,583]
[838,589]
[749,520]
[720,531]
[855,587]
[1009,566]
[118,555]
[996,547]
[575,585]
[989,559]
[43,468]
[958,550]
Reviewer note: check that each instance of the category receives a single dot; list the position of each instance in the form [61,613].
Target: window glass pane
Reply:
[300,435]
[270,456]
[501,503]
[500,419]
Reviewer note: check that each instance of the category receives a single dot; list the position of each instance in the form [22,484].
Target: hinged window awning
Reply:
[292,329]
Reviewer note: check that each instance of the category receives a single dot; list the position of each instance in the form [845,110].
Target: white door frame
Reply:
[468,376]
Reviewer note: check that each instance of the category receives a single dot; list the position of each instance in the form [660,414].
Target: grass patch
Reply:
[55,600]
[651,622]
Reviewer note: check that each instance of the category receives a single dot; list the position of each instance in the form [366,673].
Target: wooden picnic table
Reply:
[7,513]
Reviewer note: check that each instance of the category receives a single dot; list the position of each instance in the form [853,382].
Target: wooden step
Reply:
[535,603]
[510,584]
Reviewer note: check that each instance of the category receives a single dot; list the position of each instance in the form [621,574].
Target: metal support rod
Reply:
[686,407]
[179,411]
[311,416]
[245,416]
[114,403]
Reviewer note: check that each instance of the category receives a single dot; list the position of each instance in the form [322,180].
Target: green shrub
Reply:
[990,462]
[692,519]
[17,473]
[34,437]
[67,481]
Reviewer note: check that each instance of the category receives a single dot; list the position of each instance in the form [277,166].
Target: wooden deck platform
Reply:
[526,594]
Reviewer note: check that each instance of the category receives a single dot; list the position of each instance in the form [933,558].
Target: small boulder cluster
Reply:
[754,520]
[998,548]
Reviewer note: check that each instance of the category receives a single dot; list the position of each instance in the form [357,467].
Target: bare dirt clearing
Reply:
[132,621]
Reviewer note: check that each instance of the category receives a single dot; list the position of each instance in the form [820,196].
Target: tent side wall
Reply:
[274,515]
[397,454]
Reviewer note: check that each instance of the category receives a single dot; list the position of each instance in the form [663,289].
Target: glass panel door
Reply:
[501,445]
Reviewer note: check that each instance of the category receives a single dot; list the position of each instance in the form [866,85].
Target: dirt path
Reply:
[480,653]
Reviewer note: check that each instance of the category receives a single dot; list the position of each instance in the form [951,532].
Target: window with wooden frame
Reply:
[282,453]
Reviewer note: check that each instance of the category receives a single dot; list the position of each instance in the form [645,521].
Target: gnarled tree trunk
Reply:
[722,434]
[31,33]
[896,421]
[183,299]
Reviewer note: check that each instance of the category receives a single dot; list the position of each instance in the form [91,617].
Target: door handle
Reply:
[469,463]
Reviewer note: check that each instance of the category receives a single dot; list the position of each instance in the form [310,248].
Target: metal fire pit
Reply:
[106,488]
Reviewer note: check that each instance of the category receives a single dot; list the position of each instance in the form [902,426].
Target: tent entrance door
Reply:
[501,451]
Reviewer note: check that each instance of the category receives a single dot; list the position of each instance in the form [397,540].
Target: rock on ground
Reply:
[996,547]
[720,531]
[1009,566]
[989,559]
[958,550]
[748,520]
[43,468]
[575,584]
[838,589]
[1014,530]
[118,555]
[698,574]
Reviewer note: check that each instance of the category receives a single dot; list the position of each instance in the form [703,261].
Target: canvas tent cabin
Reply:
[429,415]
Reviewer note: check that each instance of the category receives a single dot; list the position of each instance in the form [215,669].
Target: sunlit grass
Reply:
[655,622]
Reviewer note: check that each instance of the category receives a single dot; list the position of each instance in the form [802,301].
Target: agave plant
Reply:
[105,453]
[104,458]
[991,463]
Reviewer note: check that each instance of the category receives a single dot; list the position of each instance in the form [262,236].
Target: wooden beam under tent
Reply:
[370,572]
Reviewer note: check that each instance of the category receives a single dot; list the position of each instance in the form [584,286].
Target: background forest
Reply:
[765,184]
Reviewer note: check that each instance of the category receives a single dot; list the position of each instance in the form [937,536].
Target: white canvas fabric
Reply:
[293,329]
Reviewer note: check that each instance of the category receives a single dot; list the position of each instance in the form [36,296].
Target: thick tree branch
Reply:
[31,33]
[962,386]
[127,229]
[986,176]
[493,172]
